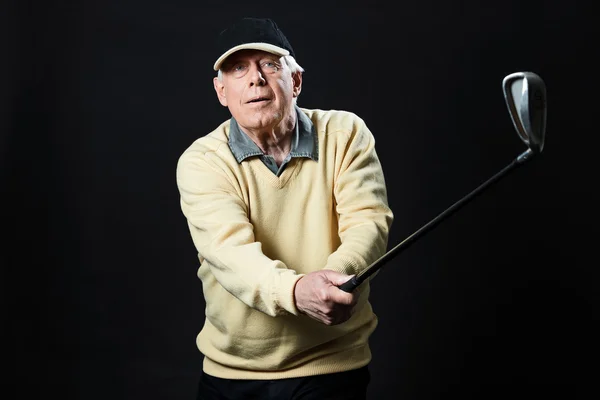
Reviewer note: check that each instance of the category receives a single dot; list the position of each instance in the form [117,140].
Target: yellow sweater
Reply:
[257,234]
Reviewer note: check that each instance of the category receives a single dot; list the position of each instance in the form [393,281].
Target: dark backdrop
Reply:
[99,99]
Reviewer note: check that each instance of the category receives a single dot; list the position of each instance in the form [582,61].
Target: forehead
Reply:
[250,55]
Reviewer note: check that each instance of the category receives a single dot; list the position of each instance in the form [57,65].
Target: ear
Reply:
[220,89]
[296,83]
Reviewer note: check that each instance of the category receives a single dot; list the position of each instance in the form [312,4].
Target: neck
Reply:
[277,140]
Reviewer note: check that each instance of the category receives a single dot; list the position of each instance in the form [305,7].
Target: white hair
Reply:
[289,60]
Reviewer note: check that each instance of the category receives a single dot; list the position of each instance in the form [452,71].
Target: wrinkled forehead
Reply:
[248,55]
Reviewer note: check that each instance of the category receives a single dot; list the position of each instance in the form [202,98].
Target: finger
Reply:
[337,278]
[338,296]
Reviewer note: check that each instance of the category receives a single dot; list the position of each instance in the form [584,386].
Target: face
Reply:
[258,88]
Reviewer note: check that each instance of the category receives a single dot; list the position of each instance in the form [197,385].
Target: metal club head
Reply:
[525,95]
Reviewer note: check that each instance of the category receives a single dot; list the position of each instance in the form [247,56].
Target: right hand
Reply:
[318,296]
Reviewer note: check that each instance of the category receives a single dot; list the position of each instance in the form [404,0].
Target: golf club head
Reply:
[525,96]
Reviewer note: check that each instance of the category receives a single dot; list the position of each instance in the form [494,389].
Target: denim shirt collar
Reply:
[304,143]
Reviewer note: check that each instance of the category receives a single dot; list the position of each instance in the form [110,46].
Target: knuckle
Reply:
[322,294]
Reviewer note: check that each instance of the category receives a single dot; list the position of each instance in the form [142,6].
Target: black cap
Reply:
[252,33]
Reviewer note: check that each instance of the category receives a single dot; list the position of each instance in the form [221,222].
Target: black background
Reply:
[99,99]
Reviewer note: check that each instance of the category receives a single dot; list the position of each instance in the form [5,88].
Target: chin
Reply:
[266,117]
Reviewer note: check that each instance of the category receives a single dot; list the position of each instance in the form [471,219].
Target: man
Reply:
[284,204]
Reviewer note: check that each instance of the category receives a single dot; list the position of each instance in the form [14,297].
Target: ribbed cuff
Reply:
[344,264]
[284,291]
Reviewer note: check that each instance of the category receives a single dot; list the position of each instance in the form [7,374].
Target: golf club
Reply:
[525,96]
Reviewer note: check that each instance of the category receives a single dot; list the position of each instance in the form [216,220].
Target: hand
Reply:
[318,296]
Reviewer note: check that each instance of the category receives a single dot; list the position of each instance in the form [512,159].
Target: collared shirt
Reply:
[304,143]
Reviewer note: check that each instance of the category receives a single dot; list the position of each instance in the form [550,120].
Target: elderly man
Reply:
[284,204]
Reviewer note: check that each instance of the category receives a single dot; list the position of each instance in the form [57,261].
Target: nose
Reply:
[256,77]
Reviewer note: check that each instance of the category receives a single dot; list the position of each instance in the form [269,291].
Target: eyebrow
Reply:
[235,60]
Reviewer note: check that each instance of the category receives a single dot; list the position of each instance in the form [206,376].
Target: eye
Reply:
[271,65]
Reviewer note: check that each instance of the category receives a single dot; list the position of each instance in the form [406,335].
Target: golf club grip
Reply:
[350,285]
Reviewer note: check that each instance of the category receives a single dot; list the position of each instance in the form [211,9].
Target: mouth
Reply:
[258,100]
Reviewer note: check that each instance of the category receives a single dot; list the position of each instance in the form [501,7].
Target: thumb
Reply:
[337,278]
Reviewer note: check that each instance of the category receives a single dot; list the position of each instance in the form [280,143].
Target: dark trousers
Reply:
[351,385]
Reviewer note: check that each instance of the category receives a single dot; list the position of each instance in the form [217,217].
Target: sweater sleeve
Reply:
[224,237]
[362,205]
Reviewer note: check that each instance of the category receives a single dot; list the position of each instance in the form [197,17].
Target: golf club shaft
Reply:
[355,281]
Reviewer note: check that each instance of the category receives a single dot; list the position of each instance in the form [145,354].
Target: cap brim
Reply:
[269,48]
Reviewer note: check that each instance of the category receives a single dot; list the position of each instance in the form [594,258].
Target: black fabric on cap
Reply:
[252,30]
